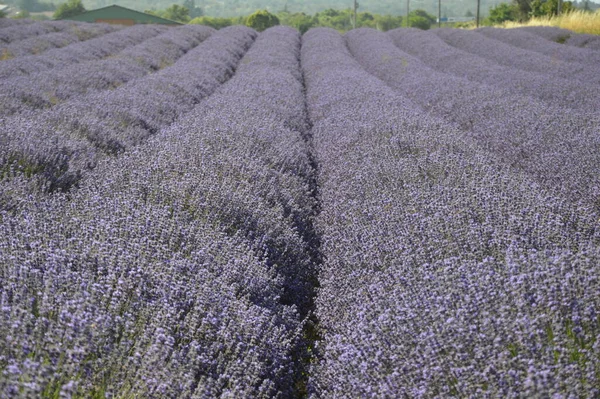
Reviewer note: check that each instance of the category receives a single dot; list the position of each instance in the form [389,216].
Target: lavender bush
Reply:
[532,42]
[47,88]
[8,22]
[589,42]
[435,53]
[515,57]
[24,31]
[552,33]
[94,49]
[173,271]
[552,144]
[39,44]
[446,273]
[61,144]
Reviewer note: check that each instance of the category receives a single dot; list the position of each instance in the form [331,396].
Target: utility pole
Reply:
[478,4]
[439,13]
[407,11]
[355,8]
[559,7]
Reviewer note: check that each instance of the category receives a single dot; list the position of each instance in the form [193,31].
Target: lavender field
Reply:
[197,213]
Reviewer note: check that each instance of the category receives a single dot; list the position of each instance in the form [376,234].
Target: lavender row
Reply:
[167,273]
[94,49]
[529,41]
[24,31]
[39,44]
[552,33]
[9,22]
[589,42]
[435,53]
[514,57]
[47,88]
[559,35]
[446,273]
[60,144]
[556,146]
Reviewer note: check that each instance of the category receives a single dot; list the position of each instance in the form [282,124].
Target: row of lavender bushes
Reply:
[8,22]
[13,34]
[576,90]
[557,63]
[565,36]
[557,146]
[181,268]
[41,43]
[447,272]
[529,41]
[47,88]
[66,141]
[93,49]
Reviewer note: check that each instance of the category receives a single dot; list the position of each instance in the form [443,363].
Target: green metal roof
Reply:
[117,12]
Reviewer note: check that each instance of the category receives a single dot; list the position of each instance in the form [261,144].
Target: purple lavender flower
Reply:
[532,42]
[447,272]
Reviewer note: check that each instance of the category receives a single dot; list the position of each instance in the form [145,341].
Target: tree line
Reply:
[341,20]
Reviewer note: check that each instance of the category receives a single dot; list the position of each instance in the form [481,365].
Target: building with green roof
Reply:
[120,15]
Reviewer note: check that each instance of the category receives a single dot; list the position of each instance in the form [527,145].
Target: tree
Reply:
[503,12]
[193,10]
[522,10]
[213,22]
[420,19]
[174,13]
[387,22]
[262,20]
[69,9]
[550,7]
[424,14]
[299,20]
[177,13]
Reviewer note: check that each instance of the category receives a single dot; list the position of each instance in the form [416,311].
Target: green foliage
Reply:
[550,7]
[194,11]
[213,22]
[174,13]
[298,20]
[419,22]
[340,20]
[387,22]
[261,20]
[536,9]
[503,12]
[69,9]
[522,9]
[423,14]
[2,14]
[421,19]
